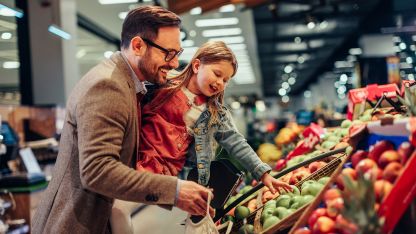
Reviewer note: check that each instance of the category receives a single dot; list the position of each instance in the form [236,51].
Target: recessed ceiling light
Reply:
[402,46]
[323,24]
[235,105]
[311,25]
[195,11]
[291,80]
[229,40]
[108,53]
[288,69]
[298,40]
[81,53]
[221,32]
[105,2]
[188,43]
[285,99]
[6,36]
[355,51]
[122,15]
[11,65]
[216,22]
[227,8]
[307,94]
[409,60]
[282,92]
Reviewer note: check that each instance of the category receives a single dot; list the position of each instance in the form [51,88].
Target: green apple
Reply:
[346,123]
[324,180]
[245,189]
[296,202]
[241,212]
[281,212]
[333,138]
[271,203]
[283,201]
[270,221]
[246,229]
[227,218]
[311,189]
[306,183]
[266,213]
[307,199]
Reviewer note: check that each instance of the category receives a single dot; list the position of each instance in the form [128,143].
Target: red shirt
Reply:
[164,139]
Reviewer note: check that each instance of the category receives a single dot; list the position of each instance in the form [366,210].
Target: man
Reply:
[100,134]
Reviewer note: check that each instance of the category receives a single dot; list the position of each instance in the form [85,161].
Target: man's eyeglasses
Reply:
[169,54]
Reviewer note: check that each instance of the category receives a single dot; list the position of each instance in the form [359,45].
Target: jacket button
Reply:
[196,130]
[200,166]
[179,145]
[198,148]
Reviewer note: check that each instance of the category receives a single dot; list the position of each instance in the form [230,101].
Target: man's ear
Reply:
[195,65]
[138,46]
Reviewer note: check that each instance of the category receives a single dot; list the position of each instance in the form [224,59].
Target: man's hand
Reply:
[193,198]
[273,183]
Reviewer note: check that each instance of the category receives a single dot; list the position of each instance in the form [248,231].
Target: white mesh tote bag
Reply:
[205,226]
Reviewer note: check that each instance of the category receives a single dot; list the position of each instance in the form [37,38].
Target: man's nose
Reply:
[174,63]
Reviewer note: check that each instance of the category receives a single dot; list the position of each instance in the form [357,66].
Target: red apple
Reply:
[344,226]
[315,215]
[388,157]
[303,231]
[365,165]
[324,225]
[382,188]
[358,156]
[316,166]
[299,175]
[332,194]
[405,150]
[349,172]
[378,148]
[392,171]
[334,207]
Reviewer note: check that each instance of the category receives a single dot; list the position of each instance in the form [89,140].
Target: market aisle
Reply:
[155,220]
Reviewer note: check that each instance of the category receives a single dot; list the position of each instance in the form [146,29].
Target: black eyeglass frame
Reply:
[169,54]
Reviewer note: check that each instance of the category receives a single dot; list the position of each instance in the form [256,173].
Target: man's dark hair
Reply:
[145,21]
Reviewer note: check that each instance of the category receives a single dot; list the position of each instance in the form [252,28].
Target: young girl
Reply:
[180,123]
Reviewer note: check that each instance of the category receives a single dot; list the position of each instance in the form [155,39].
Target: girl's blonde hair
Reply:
[209,53]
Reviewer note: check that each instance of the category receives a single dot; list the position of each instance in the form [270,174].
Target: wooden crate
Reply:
[314,204]
[328,170]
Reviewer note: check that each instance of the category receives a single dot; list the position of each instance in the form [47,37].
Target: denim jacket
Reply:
[230,139]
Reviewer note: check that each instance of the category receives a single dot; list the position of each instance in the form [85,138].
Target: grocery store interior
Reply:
[324,94]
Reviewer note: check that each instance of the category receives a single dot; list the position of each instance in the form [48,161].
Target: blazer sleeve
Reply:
[236,145]
[102,114]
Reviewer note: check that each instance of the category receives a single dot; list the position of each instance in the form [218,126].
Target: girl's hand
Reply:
[274,184]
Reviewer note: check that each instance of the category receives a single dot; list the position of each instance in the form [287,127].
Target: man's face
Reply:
[153,65]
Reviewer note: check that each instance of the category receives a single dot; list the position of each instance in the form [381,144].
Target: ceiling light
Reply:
[105,2]
[244,79]
[396,49]
[285,99]
[343,64]
[298,40]
[229,40]
[355,51]
[122,15]
[341,89]
[182,35]
[8,11]
[291,80]
[195,11]
[412,47]
[216,22]
[285,85]
[410,77]
[323,24]
[414,37]
[343,78]
[188,43]
[260,106]
[108,53]
[227,8]
[236,47]
[59,32]
[6,36]
[221,32]
[301,59]
[307,94]
[405,66]
[402,46]
[11,65]
[409,60]
[311,25]
[192,33]
[282,92]
[81,53]
[341,95]
[288,69]
[235,105]
[336,84]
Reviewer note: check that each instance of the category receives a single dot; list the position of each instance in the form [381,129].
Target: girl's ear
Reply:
[138,46]
[195,65]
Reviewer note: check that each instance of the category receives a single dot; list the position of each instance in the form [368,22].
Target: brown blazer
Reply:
[97,142]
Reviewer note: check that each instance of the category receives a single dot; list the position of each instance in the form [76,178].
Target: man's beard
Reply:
[151,76]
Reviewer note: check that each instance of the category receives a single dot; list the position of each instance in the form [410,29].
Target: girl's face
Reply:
[211,79]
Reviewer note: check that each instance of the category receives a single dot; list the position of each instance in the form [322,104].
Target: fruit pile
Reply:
[277,209]
[268,152]
[380,165]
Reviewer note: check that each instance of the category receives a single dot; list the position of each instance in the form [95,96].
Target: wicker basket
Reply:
[327,170]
